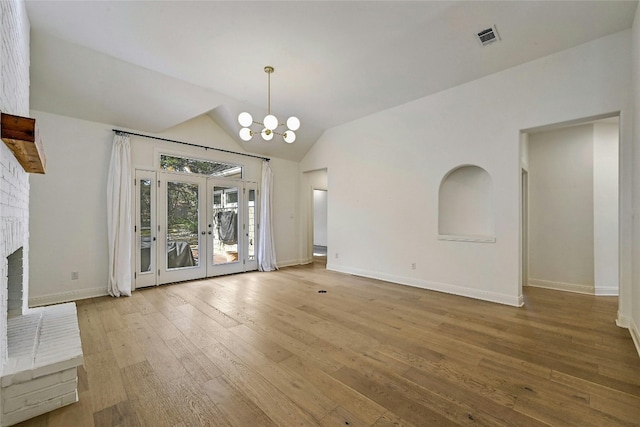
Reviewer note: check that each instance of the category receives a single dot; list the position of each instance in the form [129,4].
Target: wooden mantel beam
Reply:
[21,136]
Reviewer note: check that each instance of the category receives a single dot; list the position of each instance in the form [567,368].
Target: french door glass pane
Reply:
[182,225]
[251,233]
[145,225]
[225,224]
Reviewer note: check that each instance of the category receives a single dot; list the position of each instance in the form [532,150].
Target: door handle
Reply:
[204,232]
[209,232]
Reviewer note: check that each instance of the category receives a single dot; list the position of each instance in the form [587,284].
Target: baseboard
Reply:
[609,291]
[623,321]
[292,262]
[516,301]
[562,286]
[67,296]
[635,335]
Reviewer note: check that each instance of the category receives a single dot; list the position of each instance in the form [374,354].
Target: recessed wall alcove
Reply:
[466,205]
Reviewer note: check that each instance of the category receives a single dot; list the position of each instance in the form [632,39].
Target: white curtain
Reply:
[266,246]
[119,217]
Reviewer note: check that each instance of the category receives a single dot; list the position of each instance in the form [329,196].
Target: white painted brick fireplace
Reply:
[40,348]
[40,373]
[14,181]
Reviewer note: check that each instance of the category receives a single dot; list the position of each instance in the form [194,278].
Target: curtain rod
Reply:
[118,131]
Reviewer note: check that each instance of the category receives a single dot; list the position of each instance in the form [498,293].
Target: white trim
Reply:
[635,335]
[198,159]
[562,286]
[476,239]
[293,262]
[606,291]
[67,296]
[516,301]
[194,153]
[623,321]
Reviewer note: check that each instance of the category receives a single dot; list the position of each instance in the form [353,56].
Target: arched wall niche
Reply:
[466,205]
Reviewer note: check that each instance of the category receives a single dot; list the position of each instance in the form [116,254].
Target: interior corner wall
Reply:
[561,209]
[69,212]
[68,209]
[320,217]
[629,315]
[605,208]
[310,180]
[286,211]
[524,151]
[386,168]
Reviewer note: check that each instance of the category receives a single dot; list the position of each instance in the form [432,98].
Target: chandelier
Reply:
[270,122]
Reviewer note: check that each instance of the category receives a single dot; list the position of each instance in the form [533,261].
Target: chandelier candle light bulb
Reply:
[270,122]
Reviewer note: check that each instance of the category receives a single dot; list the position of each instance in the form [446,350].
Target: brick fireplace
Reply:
[40,348]
[14,182]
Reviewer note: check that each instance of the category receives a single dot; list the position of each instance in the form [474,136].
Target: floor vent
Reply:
[488,36]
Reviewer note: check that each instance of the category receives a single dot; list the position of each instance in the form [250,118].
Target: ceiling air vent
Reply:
[488,35]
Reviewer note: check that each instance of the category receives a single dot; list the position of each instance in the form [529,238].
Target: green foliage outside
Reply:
[187,165]
[182,211]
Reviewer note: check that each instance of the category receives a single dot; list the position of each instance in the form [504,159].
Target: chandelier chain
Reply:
[269,71]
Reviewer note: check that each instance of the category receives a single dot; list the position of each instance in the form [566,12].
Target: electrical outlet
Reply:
[413,265]
[75,275]
[337,256]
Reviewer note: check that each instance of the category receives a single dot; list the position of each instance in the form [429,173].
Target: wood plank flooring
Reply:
[267,349]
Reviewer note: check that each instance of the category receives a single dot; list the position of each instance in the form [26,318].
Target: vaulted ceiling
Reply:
[151,65]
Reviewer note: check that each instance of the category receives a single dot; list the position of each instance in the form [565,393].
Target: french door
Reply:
[231,226]
[190,227]
[145,229]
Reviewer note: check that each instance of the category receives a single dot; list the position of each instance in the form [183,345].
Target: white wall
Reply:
[559,253]
[629,315]
[68,210]
[320,217]
[286,205]
[524,151]
[561,209]
[605,208]
[400,156]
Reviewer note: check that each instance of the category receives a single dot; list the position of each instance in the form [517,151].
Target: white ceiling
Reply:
[150,65]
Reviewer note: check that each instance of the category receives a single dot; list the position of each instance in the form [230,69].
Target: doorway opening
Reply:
[570,206]
[320,225]
[316,203]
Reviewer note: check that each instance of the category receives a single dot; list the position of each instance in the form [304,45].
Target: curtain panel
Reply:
[119,217]
[266,245]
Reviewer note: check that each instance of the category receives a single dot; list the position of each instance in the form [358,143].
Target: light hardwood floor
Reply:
[267,349]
